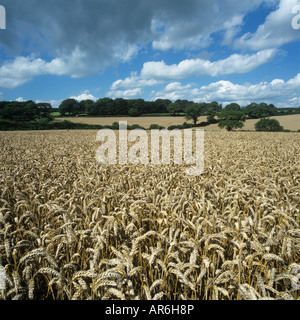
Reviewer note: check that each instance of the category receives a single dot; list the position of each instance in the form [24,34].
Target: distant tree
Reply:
[214,106]
[134,112]
[252,110]
[5,112]
[3,104]
[178,107]
[84,105]
[102,107]
[30,110]
[138,106]
[44,111]
[92,109]
[142,106]
[20,111]
[70,106]
[120,107]
[160,106]
[108,107]
[232,107]
[262,110]
[268,125]
[212,110]
[194,110]
[232,120]
[174,109]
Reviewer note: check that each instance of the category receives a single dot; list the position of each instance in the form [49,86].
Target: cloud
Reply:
[20,99]
[278,92]
[131,87]
[126,94]
[83,37]
[276,31]
[154,72]
[19,71]
[174,91]
[157,73]
[80,38]
[192,23]
[24,69]
[84,96]
[134,81]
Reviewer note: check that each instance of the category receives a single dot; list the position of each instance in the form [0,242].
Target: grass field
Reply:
[290,122]
[71,228]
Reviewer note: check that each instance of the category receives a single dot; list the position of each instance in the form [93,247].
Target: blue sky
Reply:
[219,50]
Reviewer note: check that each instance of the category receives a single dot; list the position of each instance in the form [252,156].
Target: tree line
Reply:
[25,111]
[31,111]
[113,107]
[137,107]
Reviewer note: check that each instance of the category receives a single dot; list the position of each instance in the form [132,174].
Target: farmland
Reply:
[289,122]
[71,228]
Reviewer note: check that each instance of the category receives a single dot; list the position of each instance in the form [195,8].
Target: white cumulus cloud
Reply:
[156,73]
[84,37]
[133,82]
[276,31]
[278,92]
[23,69]
[126,94]
[84,96]
[236,63]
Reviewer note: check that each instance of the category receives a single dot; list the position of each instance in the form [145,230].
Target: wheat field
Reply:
[71,228]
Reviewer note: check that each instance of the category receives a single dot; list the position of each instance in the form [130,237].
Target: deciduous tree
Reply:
[232,120]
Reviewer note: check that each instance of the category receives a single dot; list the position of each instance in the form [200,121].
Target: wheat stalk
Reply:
[71,228]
